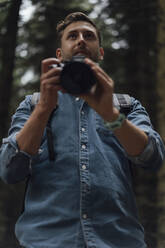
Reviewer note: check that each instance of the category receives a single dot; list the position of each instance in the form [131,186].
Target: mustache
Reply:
[81,50]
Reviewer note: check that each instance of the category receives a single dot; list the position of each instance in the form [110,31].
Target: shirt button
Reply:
[77,99]
[83,129]
[82,112]
[85,216]
[40,151]
[84,167]
[83,146]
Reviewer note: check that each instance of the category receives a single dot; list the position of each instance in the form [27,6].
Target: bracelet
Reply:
[112,126]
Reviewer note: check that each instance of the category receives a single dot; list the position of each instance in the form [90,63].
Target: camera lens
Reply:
[76,76]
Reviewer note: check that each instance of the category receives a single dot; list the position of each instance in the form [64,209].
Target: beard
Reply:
[94,56]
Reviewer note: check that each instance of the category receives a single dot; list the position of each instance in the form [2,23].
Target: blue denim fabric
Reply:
[85,196]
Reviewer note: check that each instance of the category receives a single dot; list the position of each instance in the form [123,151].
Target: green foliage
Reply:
[4,3]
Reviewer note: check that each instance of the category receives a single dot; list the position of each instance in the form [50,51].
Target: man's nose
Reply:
[81,39]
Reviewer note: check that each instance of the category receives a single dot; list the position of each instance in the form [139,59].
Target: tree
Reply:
[8,42]
[161,115]
[8,46]
[137,23]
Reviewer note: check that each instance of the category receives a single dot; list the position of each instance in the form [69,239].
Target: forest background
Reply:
[134,42]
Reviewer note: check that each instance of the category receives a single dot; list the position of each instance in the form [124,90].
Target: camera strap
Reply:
[50,139]
[34,100]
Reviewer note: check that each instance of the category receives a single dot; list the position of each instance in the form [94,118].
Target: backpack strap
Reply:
[35,98]
[122,102]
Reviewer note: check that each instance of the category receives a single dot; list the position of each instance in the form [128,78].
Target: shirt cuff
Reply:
[16,163]
[145,155]
[12,141]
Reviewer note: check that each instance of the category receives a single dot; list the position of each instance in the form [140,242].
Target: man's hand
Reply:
[29,137]
[100,98]
[49,84]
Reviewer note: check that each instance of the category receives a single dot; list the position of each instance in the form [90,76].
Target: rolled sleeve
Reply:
[152,156]
[15,165]
[154,153]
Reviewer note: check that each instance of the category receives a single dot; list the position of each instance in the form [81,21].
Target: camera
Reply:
[76,76]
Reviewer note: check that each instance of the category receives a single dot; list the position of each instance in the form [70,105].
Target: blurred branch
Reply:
[4,3]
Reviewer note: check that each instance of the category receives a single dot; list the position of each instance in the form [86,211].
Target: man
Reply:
[83,197]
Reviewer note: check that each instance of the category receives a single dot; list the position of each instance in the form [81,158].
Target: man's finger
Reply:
[45,65]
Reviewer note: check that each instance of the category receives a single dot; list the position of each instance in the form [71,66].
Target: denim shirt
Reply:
[85,196]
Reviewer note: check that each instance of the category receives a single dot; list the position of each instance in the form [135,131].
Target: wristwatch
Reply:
[112,126]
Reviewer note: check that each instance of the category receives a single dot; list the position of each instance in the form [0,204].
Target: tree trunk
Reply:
[141,71]
[161,118]
[7,63]
[9,201]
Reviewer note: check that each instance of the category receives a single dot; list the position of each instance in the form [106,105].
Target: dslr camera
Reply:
[76,76]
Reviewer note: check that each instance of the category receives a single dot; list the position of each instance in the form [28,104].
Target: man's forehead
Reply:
[79,26]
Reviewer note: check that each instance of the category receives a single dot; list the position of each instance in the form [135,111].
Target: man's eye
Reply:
[72,36]
[89,36]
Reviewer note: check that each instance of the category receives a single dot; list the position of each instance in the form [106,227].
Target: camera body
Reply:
[76,76]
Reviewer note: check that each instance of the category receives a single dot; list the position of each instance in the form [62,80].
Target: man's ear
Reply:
[101,57]
[58,53]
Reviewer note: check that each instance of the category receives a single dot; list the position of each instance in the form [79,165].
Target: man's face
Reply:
[80,38]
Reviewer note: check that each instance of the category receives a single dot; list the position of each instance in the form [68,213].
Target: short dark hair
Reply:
[74,17]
